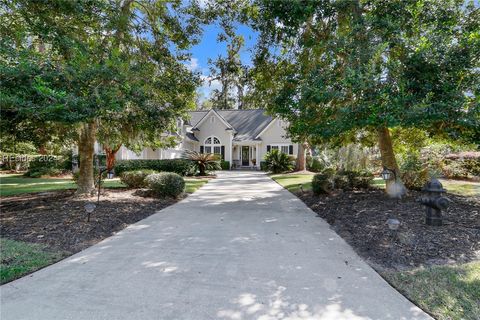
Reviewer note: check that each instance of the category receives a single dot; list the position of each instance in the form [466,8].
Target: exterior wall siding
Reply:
[217,129]
[275,135]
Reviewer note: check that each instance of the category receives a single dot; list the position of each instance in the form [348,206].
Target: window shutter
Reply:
[201,149]
[223,152]
[268,148]
[290,149]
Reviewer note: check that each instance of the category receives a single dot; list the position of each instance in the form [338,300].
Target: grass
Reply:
[446,292]
[463,188]
[14,184]
[292,182]
[191,185]
[19,258]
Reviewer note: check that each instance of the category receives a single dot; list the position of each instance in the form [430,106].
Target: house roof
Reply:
[246,123]
[191,136]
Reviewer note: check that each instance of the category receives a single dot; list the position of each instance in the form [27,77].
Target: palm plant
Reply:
[278,162]
[203,161]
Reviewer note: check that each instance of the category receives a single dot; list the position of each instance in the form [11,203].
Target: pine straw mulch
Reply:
[58,219]
[360,218]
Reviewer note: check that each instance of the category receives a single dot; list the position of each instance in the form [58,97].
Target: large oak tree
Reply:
[105,70]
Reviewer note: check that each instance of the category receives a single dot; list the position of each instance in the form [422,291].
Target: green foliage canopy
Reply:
[336,67]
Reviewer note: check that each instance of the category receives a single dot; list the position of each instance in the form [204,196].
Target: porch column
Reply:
[257,155]
[231,150]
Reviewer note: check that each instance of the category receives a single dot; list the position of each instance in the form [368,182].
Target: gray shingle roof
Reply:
[247,123]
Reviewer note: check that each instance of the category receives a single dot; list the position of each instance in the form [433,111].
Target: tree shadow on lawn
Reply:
[59,220]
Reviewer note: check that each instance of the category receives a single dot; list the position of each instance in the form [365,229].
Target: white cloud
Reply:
[207,87]
[192,64]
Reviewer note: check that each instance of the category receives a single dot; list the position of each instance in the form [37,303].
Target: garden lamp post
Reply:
[387,174]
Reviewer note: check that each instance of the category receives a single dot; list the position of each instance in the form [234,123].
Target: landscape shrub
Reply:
[181,166]
[136,178]
[413,172]
[263,166]
[457,166]
[225,165]
[314,164]
[278,162]
[45,165]
[165,184]
[203,162]
[323,182]
[453,169]
[472,166]
[357,179]
[341,182]
[329,179]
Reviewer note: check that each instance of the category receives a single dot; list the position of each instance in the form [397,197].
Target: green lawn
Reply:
[19,258]
[292,182]
[191,185]
[446,292]
[13,184]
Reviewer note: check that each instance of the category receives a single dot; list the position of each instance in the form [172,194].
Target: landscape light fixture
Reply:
[89,208]
[387,174]
[393,224]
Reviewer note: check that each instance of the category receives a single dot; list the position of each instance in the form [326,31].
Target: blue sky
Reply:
[210,48]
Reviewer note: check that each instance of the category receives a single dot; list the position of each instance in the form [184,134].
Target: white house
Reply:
[241,137]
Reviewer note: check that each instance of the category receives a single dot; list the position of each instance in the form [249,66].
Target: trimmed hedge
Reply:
[46,165]
[225,165]
[136,178]
[328,180]
[166,184]
[180,166]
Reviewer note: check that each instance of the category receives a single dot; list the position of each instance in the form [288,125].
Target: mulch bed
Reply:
[360,218]
[58,219]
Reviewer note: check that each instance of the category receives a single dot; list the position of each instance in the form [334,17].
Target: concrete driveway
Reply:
[241,247]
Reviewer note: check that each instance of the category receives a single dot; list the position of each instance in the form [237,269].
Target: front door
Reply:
[245,155]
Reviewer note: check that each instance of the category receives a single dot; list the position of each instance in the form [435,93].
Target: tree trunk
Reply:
[86,150]
[301,159]
[388,157]
[110,153]
[240,96]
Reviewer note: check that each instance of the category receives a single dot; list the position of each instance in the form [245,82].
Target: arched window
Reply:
[213,145]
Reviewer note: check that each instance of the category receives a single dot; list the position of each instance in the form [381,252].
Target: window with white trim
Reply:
[283,148]
[213,145]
